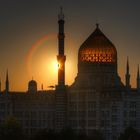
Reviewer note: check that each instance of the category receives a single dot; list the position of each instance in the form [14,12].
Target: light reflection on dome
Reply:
[98,49]
[97,55]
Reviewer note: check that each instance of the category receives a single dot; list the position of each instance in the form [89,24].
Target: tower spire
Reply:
[97,25]
[127,67]
[138,79]
[60,95]
[0,84]
[42,87]
[61,15]
[138,72]
[127,75]
[7,83]
[61,58]
[7,78]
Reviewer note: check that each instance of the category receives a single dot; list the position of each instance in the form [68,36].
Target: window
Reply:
[2,114]
[91,123]
[73,113]
[125,104]
[105,113]
[92,113]
[26,114]
[19,114]
[114,118]
[98,55]
[33,114]
[125,113]
[104,104]
[81,114]
[125,124]
[133,123]
[72,106]
[133,104]
[73,123]
[81,106]
[27,123]
[2,105]
[82,123]
[132,114]
[105,123]
[91,105]
[114,128]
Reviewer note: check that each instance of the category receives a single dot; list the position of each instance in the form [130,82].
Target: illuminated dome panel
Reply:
[97,48]
[98,55]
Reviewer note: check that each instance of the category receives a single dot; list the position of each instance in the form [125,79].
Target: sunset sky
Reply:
[28,37]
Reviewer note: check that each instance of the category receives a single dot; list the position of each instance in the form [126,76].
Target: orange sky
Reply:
[28,37]
[40,63]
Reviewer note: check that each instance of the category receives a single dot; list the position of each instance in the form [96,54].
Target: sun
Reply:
[55,65]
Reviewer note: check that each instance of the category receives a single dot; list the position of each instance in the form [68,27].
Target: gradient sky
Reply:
[28,36]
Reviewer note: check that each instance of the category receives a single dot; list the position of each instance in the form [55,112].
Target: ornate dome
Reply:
[32,82]
[97,63]
[32,86]
[98,49]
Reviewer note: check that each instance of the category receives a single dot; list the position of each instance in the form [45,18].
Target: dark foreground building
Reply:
[96,100]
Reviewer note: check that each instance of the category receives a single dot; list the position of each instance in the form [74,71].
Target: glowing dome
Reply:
[97,49]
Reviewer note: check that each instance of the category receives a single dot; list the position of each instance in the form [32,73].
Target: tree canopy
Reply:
[129,134]
[11,130]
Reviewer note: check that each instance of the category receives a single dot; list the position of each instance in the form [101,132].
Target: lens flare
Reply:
[44,41]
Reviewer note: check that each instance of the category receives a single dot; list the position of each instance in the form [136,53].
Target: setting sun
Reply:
[55,65]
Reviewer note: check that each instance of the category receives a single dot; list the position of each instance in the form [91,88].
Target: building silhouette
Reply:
[96,100]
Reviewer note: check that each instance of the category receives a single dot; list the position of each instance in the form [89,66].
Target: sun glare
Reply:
[55,65]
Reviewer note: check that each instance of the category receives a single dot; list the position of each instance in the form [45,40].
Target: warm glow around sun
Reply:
[55,65]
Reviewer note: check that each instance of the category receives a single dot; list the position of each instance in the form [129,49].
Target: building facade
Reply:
[97,100]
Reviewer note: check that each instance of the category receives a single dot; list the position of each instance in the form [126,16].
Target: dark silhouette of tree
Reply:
[128,134]
[96,135]
[82,136]
[134,137]
[67,134]
[11,130]
[45,134]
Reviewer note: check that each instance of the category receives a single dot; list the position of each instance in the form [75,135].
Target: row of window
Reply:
[131,104]
[91,58]
[37,123]
[33,114]
[131,114]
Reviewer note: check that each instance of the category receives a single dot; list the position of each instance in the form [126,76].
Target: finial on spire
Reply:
[127,63]
[127,58]
[127,75]
[61,15]
[97,25]
[7,83]
[7,75]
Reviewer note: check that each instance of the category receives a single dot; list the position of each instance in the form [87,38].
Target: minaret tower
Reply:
[127,75]
[7,83]
[61,95]
[61,58]
[138,79]
[0,85]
